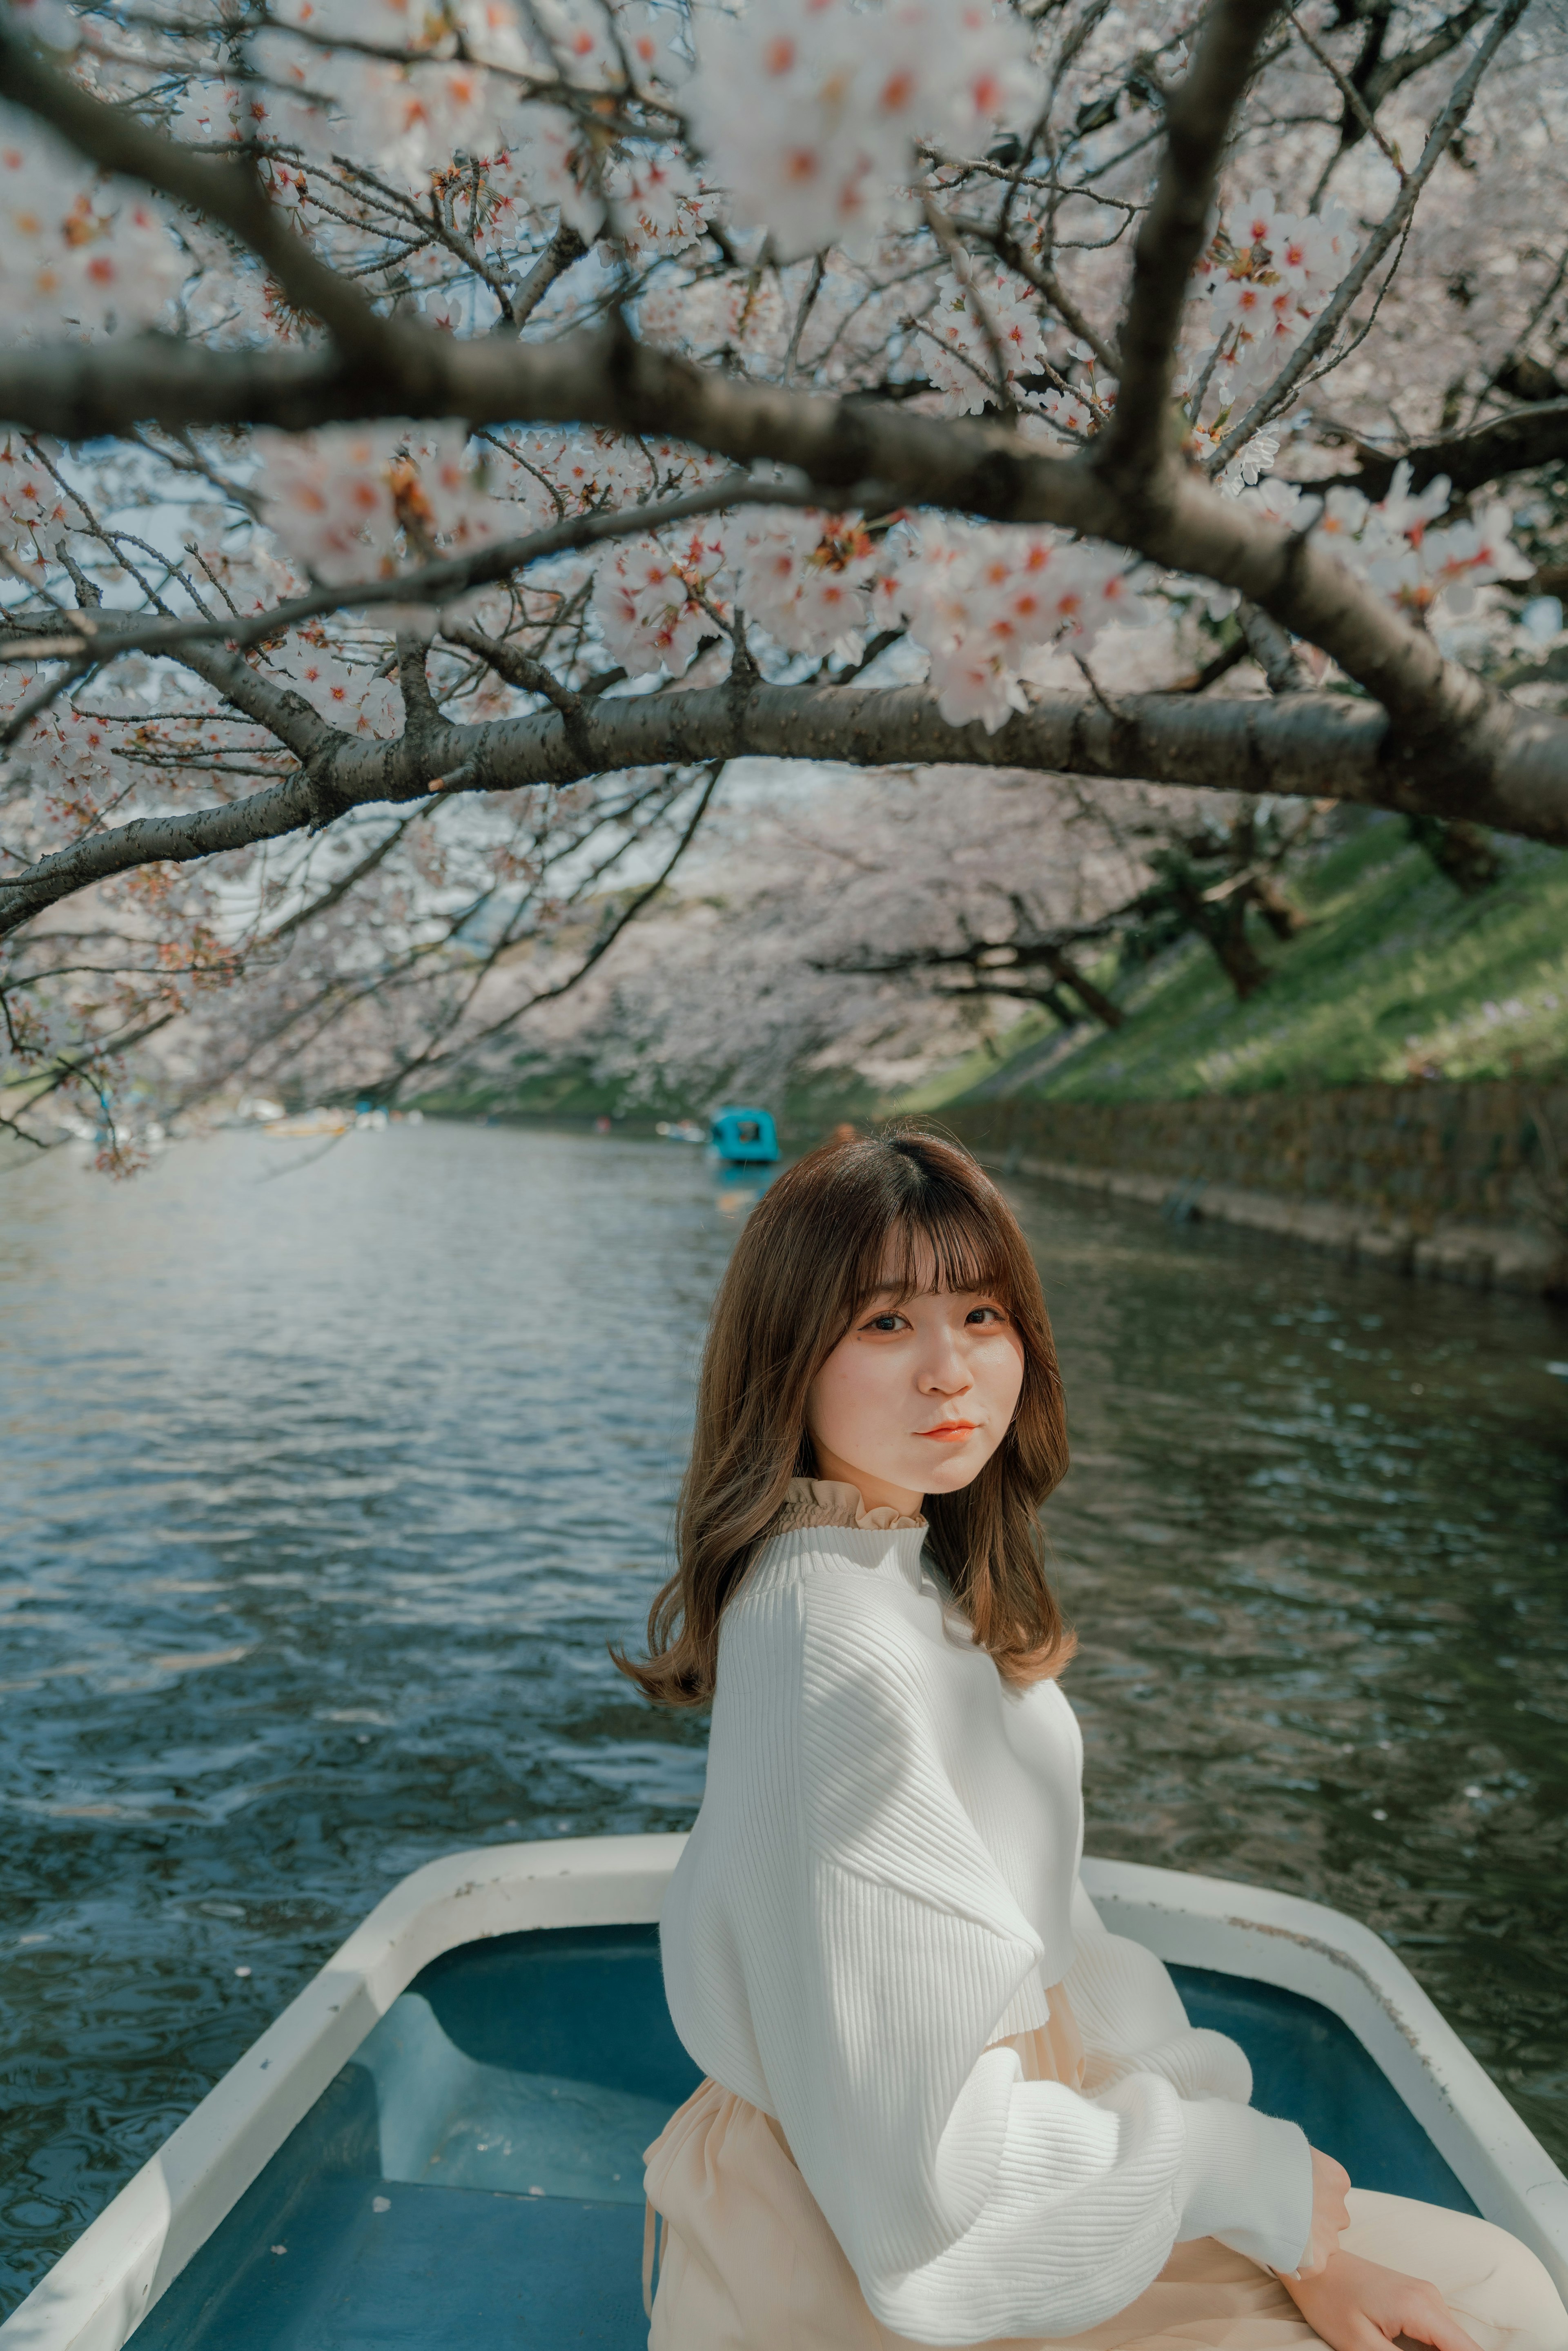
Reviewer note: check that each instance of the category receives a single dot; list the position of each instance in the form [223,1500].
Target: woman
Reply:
[944,2105]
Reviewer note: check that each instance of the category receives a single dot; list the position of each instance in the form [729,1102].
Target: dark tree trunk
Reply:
[1284,919]
[1462,852]
[1063,968]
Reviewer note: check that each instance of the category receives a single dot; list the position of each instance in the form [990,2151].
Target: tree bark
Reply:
[1314,746]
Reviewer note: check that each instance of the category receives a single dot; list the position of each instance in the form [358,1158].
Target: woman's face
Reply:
[917,1396]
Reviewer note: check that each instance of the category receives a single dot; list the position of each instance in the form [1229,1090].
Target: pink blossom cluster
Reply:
[347,502]
[70,754]
[809,115]
[353,694]
[409,121]
[809,580]
[1072,416]
[746,319]
[34,510]
[544,161]
[1264,278]
[455,81]
[361,502]
[650,600]
[541,159]
[955,349]
[76,251]
[986,601]
[658,203]
[1398,546]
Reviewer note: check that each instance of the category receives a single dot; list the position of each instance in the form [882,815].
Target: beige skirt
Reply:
[747,2261]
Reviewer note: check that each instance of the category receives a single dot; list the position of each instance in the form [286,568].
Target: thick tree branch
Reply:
[1170,515]
[1175,518]
[1198,115]
[1451,734]
[565,249]
[1514,444]
[1312,745]
[520,669]
[601,376]
[284,712]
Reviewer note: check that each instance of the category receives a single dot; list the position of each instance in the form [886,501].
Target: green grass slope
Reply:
[1397,977]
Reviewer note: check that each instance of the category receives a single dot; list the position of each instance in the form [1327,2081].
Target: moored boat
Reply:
[442,2136]
[743,1138]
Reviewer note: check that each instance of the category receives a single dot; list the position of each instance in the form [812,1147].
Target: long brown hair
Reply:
[905,1206]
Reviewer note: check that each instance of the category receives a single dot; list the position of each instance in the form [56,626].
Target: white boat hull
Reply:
[102,2288]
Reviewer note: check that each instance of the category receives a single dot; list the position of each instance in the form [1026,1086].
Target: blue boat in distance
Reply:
[743,1138]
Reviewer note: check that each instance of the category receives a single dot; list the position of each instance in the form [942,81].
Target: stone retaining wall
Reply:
[1447,1180]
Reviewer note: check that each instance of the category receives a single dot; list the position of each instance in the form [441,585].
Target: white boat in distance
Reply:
[439,2141]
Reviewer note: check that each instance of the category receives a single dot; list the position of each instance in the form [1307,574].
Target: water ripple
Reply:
[324,1498]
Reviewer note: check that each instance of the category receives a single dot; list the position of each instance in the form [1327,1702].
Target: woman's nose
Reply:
[944,1372]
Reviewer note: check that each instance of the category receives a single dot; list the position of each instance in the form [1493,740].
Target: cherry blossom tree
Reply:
[854,933]
[433,445]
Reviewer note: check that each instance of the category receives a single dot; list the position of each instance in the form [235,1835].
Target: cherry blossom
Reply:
[809,119]
[985,602]
[345,502]
[955,346]
[357,696]
[1397,543]
[651,602]
[807,579]
[920,209]
[34,509]
[75,251]
[659,203]
[1265,277]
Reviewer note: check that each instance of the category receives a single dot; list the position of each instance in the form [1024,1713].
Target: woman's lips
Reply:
[950,1429]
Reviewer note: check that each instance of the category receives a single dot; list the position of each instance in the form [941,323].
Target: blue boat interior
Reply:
[475,2174]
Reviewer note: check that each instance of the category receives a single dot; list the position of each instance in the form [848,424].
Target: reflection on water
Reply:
[325,1493]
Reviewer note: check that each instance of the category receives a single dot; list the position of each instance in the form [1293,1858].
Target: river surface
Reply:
[328,1477]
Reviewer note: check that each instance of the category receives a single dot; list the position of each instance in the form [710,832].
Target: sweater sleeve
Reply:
[880,1947]
[1130,2019]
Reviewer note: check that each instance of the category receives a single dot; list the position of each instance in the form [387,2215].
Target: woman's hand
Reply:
[1357,2306]
[1330,2215]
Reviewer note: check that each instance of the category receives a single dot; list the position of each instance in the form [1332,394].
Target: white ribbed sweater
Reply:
[882,1881]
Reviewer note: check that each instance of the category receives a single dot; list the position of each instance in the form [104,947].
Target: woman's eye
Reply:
[983,1314]
[885,1322]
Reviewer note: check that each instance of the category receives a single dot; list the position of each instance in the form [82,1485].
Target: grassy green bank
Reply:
[1396,977]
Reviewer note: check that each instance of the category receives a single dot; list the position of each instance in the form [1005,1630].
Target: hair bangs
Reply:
[931,1221]
[936,1244]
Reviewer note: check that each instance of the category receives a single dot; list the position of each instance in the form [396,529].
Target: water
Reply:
[324,1492]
